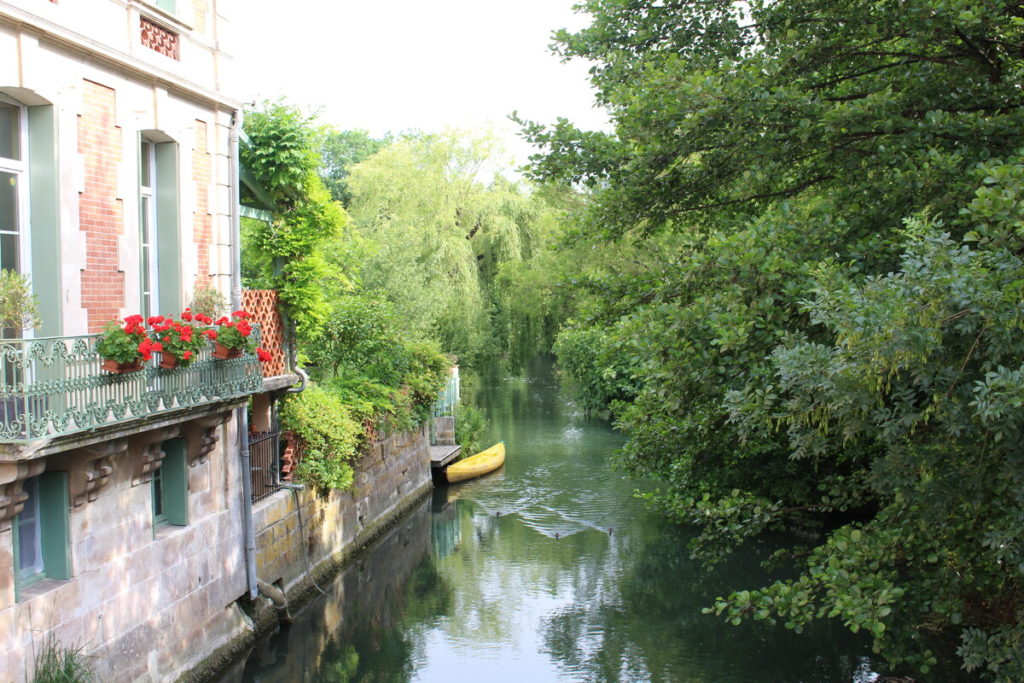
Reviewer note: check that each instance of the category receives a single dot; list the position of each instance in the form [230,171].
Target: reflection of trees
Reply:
[359,634]
[653,629]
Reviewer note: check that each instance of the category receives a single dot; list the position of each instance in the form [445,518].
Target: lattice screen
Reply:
[262,303]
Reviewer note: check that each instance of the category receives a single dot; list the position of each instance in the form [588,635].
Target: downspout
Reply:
[241,413]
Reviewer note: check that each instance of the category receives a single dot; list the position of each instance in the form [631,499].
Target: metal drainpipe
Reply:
[241,414]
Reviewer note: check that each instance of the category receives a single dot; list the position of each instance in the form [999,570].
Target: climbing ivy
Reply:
[281,161]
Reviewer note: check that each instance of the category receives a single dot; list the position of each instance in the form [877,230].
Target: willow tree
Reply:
[439,222]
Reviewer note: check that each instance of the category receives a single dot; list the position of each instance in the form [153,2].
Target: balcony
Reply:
[53,387]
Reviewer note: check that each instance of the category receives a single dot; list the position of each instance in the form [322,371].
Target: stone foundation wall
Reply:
[395,472]
[143,601]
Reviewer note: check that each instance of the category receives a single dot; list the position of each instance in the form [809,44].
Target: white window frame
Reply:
[147,218]
[19,168]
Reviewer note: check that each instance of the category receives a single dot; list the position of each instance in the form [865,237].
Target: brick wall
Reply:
[202,221]
[100,212]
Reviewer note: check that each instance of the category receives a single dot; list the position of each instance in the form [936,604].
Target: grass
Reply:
[56,663]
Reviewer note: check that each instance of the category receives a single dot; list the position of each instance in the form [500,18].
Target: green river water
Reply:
[548,570]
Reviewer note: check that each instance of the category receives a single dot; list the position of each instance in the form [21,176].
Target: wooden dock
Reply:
[440,456]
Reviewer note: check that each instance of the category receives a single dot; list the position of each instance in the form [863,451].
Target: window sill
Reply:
[162,530]
[39,587]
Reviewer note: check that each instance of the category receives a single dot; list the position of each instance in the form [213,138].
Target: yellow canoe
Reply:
[483,462]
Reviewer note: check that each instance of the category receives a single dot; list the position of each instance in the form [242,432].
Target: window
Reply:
[29,203]
[170,486]
[13,185]
[41,531]
[147,228]
[159,251]
[168,5]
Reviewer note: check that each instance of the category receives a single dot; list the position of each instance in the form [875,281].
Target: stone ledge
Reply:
[280,382]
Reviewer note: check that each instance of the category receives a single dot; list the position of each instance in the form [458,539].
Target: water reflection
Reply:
[549,570]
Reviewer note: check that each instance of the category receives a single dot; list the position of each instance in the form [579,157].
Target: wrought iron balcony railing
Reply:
[54,386]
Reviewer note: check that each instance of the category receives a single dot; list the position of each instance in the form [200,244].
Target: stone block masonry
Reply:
[389,477]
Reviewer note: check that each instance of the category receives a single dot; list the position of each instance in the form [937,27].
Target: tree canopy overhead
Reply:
[810,298]
[724,108]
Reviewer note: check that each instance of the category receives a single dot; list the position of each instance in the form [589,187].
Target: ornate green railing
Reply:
[53,386]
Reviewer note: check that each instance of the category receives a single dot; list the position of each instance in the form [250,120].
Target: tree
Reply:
[438,233]
[339,152]
[765,154]
[280,162]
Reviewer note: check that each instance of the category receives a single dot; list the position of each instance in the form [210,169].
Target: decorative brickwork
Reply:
[202,221]
[291,456]
[262,303]
[160,39]
[100,212]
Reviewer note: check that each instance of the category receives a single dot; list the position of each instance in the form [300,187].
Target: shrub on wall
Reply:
[329,435]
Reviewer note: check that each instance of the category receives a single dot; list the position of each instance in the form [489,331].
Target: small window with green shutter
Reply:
[42,536]
[170,486]
[168,5]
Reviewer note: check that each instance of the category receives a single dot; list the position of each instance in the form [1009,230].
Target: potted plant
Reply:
[125,345]
[17,304]
[232,337]
[180,340]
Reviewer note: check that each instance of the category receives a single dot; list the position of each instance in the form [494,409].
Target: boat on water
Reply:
[477,465]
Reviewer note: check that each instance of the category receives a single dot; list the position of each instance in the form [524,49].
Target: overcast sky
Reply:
[410,64]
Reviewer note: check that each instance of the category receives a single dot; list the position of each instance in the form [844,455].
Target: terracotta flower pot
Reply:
[168,361]
[116,368]
[222,352]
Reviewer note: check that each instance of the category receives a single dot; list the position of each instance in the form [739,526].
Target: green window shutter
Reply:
[174,472]
[44,212]
[168,5]
[54,511]
[168,247]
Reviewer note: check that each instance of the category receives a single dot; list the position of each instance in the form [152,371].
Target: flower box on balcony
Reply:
[112,366]
[222,352]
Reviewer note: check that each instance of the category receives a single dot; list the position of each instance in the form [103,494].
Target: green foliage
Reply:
[209,302]
[339,152]
[18,306]
[360,332]
[281,157]
[602,376]
[120,342]
[395,389]
[777,344]
[438,234]
[330,437]
[470,425]
[56,663]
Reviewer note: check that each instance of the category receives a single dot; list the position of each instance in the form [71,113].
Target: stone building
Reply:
[122,509]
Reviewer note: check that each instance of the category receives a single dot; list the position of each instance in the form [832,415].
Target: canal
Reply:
[549,570]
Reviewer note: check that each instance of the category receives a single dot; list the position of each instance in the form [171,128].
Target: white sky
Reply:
[411,64]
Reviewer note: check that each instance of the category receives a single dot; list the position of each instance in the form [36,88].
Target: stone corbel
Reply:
[12,497]
[201,437]
[151,456]
[92,471]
